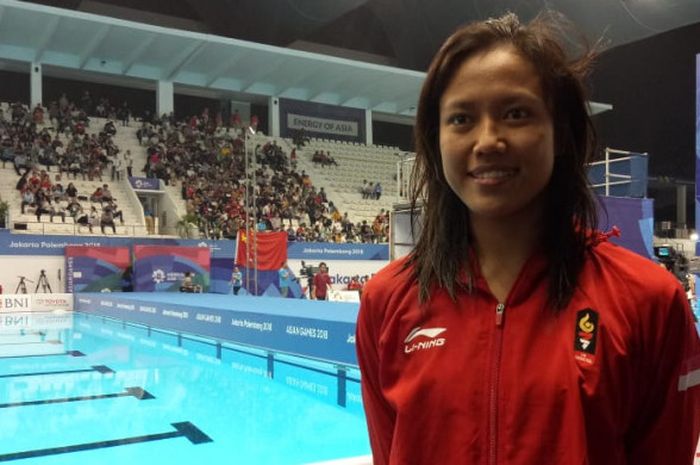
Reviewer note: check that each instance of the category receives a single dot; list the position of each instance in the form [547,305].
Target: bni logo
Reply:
[14,303]
[429,339]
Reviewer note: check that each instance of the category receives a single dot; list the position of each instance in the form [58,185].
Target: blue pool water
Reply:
[64,399]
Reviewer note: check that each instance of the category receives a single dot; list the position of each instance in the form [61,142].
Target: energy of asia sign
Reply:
[321,120]
[322,125]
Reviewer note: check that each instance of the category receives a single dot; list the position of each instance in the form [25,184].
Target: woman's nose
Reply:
[489,137]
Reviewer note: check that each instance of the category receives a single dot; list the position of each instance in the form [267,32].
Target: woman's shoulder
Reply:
[392,278]
[631,270]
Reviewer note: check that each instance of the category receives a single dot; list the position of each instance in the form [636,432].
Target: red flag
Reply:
[271,249]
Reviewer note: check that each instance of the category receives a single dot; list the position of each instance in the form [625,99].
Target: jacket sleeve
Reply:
[380,416]
[668,421]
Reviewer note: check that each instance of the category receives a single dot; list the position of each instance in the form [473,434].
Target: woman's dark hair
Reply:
[570,213]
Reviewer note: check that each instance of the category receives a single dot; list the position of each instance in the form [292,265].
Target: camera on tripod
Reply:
[307,271]
[43,281]
[674,261]
[22,285]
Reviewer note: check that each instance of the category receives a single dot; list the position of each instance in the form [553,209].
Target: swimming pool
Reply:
[81,389]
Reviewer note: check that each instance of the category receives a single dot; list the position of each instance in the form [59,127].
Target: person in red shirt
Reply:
[514,333]
[322,283]
[354,284]
[35,180]
[45,182]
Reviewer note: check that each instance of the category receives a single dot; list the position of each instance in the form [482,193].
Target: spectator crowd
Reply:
[207,161]
[200,155]
[34,147]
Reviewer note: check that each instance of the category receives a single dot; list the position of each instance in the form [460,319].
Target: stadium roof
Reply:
[403,33]
[66,41]
[216,48]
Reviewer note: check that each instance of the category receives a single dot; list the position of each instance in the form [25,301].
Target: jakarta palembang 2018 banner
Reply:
[95,269]
[162,268]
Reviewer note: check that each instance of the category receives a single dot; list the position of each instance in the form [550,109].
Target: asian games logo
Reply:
[158,276]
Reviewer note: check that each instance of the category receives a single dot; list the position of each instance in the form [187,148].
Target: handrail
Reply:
[607,161]
[78,229]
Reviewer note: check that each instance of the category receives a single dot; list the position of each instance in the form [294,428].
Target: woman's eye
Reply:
[517,114]
[458,119]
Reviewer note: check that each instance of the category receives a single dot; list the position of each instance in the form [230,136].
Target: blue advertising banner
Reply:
[36,244]
[268,281]
[634,217]
[222,255]
[220,273]
[96,269]
[163,268]
[332,251]
[147,184]
[318,330]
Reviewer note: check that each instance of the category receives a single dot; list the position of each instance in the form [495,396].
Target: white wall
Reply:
[342,270]
[13,266]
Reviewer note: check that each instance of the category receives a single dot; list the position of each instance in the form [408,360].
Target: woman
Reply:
[514,333]
[188,284]
[236,280]
[71,191]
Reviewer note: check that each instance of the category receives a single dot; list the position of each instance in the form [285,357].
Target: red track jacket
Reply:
[614,379]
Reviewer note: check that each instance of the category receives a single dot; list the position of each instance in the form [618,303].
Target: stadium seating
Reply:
[357,219]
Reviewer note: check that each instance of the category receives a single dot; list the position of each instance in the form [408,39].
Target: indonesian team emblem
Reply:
[586,335]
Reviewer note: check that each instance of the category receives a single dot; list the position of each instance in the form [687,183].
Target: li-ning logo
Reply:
[430,333]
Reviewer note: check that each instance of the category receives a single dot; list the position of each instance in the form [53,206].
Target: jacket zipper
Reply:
[493,388]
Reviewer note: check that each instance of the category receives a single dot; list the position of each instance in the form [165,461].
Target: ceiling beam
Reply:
[356,85]
[261,88]
[328,98]
[386,94]
[342,81]
[183,59]
[302,78]
[356,102]
[46,38]
[386,107]
[94,44]
[295,93]
[225,67]
[136,53]
[262,71]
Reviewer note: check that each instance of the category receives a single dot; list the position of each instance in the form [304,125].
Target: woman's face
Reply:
[496,135]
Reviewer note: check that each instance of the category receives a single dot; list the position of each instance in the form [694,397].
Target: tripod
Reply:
[22,286]
[44,283]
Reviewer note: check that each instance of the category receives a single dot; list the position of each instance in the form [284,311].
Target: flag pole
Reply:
[250,210]
[247,208]
[255,220]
